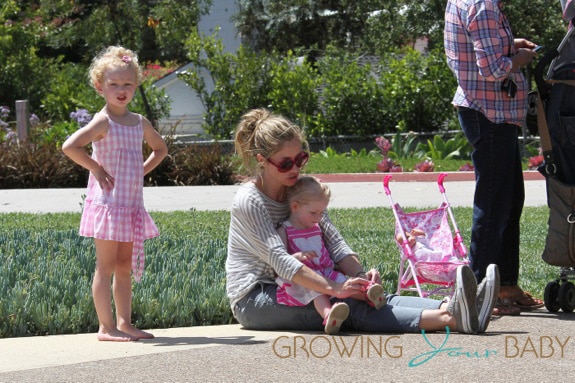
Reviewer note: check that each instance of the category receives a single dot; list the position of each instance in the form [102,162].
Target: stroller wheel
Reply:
[567,297]
[552,297]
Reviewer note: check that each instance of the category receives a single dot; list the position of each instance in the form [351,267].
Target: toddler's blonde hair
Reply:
[308,189]
[111,58]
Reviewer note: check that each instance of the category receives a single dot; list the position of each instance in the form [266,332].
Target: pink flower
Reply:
[466,168]
[383,144]
[535,162]
[425,166]
[385,165]
[127,59]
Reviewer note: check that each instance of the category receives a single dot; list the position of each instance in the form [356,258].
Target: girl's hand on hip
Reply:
[105,180]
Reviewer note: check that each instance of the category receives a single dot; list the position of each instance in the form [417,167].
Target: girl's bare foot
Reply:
[136,332]
[115,335]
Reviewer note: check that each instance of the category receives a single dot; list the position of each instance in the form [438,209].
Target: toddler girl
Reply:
[308,200]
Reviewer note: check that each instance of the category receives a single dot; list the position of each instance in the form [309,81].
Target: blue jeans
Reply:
[259,310]
[499,195]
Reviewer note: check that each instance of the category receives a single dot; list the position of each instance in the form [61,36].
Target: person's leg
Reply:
[322,305]
[499,195]
[512,182]
[123,292]
[413,314]
[259,310]
[400,315]
[106,252]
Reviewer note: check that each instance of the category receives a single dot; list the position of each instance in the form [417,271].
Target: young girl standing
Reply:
[308,199]
[114,213]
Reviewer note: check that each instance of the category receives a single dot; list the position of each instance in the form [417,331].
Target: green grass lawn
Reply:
[368,164]
[46,268]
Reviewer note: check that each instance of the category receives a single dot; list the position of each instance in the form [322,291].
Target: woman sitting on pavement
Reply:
[277,149]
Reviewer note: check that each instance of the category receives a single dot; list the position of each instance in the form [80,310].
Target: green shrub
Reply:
[193,165]
[23,73]
[404,146]
[418,89]
[454,147]
[34,164]
[40,163]
[340,97]
[352,100]
[293,92]
[241,81]
[69,91]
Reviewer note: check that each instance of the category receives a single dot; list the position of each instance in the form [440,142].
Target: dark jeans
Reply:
[499,195]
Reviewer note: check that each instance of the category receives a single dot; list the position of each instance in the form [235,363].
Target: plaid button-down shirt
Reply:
[478,43]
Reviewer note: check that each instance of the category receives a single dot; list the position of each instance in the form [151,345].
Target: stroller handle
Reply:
[386,184]
[440,182]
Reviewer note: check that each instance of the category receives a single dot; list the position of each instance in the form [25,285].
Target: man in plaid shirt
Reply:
[491,102]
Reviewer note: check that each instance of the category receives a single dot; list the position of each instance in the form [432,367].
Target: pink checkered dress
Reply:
[119,214]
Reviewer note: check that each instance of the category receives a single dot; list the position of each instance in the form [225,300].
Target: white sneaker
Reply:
[463,305]
[333,321]
[487,293]
[376,296]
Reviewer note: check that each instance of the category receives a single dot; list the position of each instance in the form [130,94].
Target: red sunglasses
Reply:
[287,163]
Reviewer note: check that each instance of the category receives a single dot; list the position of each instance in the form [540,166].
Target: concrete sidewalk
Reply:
[344,195]
[531,347]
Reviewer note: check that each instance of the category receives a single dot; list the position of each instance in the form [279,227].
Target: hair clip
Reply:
[127,59]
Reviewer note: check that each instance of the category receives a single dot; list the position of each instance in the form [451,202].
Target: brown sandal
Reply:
[526,301]
[506,306]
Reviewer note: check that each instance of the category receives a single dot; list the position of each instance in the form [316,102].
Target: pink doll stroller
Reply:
[430,250]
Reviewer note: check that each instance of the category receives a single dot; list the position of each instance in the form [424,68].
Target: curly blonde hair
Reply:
[263,132]
[111,58]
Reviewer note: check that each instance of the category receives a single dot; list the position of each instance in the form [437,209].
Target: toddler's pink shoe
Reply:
[333,321]
[375,296]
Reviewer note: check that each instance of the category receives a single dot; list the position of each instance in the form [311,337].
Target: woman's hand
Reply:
[522,57]
[373,276]
[351,287]
[305,256]
[523,43]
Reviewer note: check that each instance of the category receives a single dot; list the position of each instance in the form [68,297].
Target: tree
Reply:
[311,24]
[23,73]
[374,26]
[155,29]
[41,39]
[537,20]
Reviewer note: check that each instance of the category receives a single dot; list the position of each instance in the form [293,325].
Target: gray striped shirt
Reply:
[255,250]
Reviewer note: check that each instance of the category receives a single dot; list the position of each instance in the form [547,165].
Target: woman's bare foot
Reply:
[136,332]
[115,335]
[510,291]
